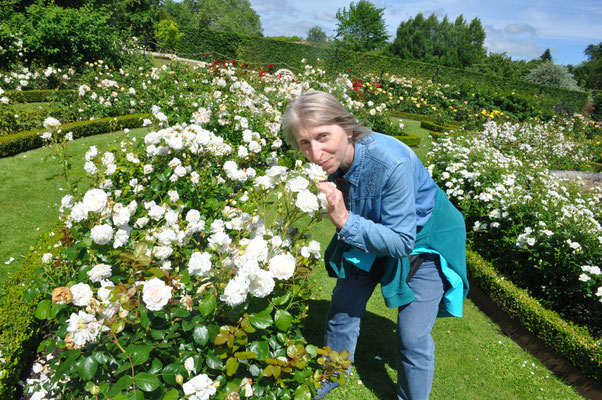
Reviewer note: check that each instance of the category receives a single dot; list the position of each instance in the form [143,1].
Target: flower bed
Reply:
[543,234]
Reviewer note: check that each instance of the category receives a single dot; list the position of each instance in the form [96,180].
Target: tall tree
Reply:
[225,15]
[316,34]
[546,56]
[362,27]
[456,44]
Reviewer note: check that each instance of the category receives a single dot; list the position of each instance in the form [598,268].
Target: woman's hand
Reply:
[336,204]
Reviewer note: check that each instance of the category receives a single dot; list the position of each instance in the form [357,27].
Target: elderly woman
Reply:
[394,226]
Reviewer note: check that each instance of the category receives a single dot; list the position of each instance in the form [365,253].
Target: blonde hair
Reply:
[318,108]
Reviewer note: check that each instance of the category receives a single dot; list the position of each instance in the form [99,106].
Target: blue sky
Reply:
[523,29]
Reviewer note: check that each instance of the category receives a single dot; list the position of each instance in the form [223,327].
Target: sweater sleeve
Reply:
[395,233]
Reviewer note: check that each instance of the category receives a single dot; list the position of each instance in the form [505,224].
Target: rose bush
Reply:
[544,234]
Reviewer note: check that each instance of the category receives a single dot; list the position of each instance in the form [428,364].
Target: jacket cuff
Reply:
[349,230]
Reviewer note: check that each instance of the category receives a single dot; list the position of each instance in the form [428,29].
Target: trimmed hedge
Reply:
[23,141]
[455,125]
[20,330]
[410,140]
[256,51]
[567,339]
[35,96]
[434,127]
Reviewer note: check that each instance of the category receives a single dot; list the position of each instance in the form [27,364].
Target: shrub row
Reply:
[421,117]
[567,339]
[35,96]
[410,140]
[23,141]
[19,328]
[434,127]
[258,52]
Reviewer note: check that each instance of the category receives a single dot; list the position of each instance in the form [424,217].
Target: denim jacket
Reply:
[389,195]
[391,198]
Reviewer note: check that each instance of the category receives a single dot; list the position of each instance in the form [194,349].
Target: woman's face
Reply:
[329,146]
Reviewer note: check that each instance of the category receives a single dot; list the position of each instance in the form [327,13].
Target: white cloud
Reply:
[274,6]
[325,16]
[517,29]
[514,47]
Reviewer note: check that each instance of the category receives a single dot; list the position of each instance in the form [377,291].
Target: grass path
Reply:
[32,188]
[473,361]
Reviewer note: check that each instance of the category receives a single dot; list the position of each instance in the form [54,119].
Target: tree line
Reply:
[70,32]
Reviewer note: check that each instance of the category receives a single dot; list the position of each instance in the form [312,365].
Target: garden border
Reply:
[565,338]
[28,140]
[19,338]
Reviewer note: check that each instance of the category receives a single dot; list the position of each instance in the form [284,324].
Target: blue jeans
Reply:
[415,345]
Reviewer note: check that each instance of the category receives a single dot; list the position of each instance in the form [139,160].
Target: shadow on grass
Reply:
[377,338]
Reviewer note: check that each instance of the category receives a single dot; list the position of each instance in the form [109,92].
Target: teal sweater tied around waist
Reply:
[443,234]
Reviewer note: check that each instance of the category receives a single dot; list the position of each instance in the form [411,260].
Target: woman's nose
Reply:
[315,152]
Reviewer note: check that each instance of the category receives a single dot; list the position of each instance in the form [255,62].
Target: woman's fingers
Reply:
[336,204]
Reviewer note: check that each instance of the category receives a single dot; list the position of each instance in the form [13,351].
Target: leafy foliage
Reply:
[550,74]
[316,34]
[455,44]
[235,16]
[362,27]
[167,34]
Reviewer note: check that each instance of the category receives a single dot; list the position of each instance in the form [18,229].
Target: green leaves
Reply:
[139,354]
[207,305]
[200,334]
[261,320]
[283,320]
[146,381]
[43,309]
[86,367]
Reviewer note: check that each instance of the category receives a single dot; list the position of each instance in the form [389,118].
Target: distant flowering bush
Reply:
[543,233]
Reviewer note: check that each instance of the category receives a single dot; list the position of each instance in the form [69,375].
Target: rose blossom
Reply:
[101,234]
[282,266]
[307,202]
[81,294]
[199,388]
[100,272]
[155,294]
[199,264]
[95,200]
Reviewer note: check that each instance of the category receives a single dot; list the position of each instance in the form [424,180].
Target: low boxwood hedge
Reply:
[435,127]
[567,339]
[20,330]
[27,140]
[420,117]
[35,96]
[410,140]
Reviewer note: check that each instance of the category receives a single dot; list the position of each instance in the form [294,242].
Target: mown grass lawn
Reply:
[473,361]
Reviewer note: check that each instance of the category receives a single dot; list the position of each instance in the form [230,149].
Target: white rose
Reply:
[162,252]
[155,294]
[82,294]
[102,234]
[261,283]
[90,168]
[141,222]
[100,272]
[307,202]
[201,387]
[47,257]
[199,264]
[79,212]
[297,184]
[50,123]
[282,266]
[121,214]
[236,291]
[315,172]
[95,200]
